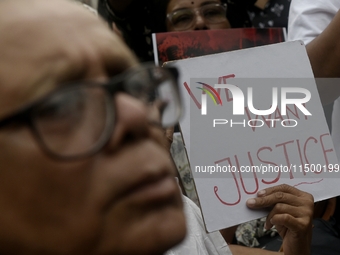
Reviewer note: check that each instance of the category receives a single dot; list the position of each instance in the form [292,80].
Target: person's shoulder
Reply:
[307,19]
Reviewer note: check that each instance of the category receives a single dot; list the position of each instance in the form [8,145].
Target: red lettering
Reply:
[269,163]
[255,177]
[223,80]
[256,118]
[278,114]
[236,183]
[305,147]
[192,95]
[323,149]
[286,155]
[301,160]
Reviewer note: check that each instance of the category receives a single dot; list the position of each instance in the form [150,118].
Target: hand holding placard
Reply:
[292,212]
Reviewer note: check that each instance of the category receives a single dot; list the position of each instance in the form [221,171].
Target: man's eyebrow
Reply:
[114,66]
[113,70]
[72,74]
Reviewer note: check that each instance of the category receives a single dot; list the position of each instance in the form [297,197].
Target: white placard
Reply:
[231,161]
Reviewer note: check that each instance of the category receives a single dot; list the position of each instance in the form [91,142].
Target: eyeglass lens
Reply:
[79,120]
[156,88]
[74,121]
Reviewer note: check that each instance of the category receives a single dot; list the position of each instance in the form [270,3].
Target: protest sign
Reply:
[253,119]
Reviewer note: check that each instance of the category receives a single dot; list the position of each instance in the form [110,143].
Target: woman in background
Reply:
[139,19]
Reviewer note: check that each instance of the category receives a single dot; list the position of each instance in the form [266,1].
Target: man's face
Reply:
[124,199]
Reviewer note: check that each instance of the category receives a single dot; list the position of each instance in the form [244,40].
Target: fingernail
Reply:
[251,201]
[261,193]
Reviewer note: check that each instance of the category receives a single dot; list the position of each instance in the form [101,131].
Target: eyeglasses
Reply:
[184,19]
[77,120]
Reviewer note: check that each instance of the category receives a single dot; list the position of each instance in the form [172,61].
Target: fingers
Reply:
[292,212]
[292,217]
[288,222]
[281,188]
[284,194]
[291,208]
[272,199]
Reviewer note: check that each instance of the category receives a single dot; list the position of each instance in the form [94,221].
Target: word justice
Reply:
[263,155]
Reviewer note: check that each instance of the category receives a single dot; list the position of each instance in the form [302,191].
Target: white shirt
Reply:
[307,19]
[197,241]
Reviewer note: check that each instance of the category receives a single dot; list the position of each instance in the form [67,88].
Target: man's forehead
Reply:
[48,42]
[24,8]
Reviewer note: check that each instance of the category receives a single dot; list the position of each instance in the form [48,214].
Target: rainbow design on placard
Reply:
[211,92]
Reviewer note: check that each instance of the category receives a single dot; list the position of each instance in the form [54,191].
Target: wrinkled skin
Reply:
[124,199]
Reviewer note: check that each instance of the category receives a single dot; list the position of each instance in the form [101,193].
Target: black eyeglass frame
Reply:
[25,114]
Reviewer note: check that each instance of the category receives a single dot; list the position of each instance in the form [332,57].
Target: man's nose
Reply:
[131,120]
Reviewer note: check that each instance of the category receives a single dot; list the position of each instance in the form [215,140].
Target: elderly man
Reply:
[82,171]
[83,166]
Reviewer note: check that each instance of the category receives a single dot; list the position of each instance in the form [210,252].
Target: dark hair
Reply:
[144,17]
[237,13]
[155,11]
